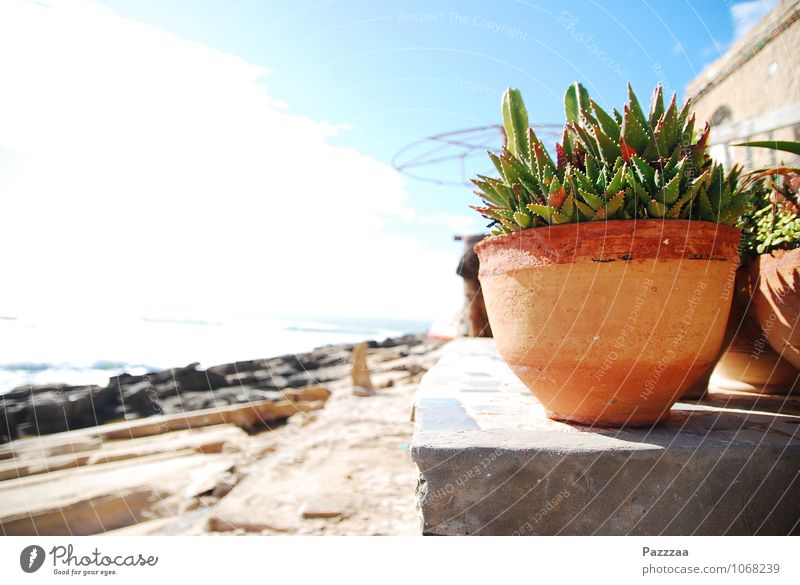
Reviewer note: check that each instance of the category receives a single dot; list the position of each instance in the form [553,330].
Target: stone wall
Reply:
[758,75]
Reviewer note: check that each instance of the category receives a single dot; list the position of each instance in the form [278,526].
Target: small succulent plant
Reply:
[628,165]
[774,224]
[770,227]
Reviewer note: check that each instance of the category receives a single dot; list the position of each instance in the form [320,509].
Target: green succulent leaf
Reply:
[591,200]
[550,215]
[633,131]
[645,173]
[609,126]
[656,105]
[669,193]
[568,209]
[667,131]
[621,166]
[636,108]
[576,100]
[615,204]
[656,208]
[515,123]
[706,211]
[523,219]
[609,149]
[498,165]
[617,181]
[782,145]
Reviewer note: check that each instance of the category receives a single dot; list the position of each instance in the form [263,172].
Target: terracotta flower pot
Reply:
[749,367]
[608,323]
[749,364]
[776,302]
[739,304]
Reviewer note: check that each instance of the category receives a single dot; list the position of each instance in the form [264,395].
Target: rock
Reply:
[259,379]
[410,339]
[124,379]
[318,376]
[238,367]
[191,401]
[225,485]
[71,408]
[318,508]
[25,392]
[301,361]
[49,408]
[282,369]
[12,414]
[186,379]
[139,398]
[360,369]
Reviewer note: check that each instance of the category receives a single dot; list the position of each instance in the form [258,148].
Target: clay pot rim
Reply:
[777,255]
[619,239]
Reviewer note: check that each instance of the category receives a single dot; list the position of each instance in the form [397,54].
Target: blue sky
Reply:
[397,71]
[344,84]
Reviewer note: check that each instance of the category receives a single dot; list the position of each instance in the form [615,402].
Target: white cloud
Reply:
[151,175]
[747,14]
[456,224]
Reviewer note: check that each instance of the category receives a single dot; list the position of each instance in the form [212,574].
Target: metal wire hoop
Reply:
[425,159]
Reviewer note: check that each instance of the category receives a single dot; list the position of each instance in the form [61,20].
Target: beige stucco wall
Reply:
[768,81]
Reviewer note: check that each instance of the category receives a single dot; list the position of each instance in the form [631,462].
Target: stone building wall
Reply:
[755,84]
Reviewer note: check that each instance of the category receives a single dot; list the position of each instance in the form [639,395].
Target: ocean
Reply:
[75,350]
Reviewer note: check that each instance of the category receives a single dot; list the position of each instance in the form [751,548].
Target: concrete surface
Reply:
[490,462]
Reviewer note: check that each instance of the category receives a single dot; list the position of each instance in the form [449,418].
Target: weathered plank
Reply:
[246,416]
[96,498]
[204,440]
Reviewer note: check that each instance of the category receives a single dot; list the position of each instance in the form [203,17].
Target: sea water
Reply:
[76,350]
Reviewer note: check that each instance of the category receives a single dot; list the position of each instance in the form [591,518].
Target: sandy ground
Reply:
[342,469]
[345,469]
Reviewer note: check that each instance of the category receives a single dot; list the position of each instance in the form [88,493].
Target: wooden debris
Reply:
[205,440]
[96,498]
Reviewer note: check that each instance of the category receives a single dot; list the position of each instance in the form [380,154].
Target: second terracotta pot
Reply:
[749,364]
[776,302]
[608,323]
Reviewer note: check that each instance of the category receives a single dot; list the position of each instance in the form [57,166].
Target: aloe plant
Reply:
[628,165]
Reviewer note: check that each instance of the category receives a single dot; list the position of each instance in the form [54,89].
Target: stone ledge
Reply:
[491,463]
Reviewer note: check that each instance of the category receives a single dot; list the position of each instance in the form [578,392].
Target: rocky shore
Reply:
[33,410]
[183,451]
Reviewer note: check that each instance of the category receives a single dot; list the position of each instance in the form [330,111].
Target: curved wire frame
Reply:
[425,159]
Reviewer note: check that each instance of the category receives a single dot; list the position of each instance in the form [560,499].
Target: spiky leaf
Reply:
[576,100]
[515,123]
